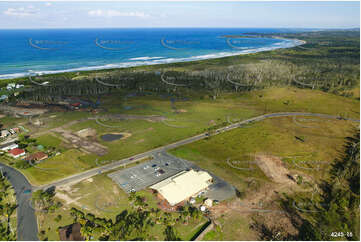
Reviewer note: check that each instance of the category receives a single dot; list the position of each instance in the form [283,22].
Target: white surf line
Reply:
[129,64]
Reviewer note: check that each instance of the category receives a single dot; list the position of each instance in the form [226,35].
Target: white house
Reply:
[8,146]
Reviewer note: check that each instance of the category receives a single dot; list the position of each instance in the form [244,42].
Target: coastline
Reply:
[149,61]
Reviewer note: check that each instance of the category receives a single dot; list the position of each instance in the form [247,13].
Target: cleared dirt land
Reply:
[267,158]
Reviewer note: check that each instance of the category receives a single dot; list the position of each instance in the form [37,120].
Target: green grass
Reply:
[148,135]
[274,136]
[48,140]
[232,227]
[197,115]
[57,167]
[102,197]
[10,122]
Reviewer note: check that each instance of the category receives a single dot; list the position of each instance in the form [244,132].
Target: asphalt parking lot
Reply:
[161,167]
[146,174]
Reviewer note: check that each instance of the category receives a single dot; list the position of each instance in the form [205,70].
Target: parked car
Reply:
[27,191]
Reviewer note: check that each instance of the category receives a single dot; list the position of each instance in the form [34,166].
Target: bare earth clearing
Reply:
[263,202]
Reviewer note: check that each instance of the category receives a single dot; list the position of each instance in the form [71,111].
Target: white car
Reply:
[156,169]
[146,167]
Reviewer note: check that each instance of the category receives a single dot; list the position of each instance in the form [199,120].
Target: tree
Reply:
[58,218]
[170,234]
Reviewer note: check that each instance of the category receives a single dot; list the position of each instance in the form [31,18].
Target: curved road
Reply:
[132,159]
[27,226]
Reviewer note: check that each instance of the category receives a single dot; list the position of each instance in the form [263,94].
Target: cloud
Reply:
[20,12]
[115,13]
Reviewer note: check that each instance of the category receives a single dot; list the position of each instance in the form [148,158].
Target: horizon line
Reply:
[318,28]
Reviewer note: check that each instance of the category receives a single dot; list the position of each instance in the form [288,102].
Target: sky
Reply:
[57,14]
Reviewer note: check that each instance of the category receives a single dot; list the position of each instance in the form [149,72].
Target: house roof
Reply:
[183,185]
[16,151]
[37,156]
[7,145]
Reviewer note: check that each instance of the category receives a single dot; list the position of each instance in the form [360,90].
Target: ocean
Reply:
[46,51]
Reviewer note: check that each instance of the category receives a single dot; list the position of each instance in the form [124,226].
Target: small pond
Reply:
[111,137]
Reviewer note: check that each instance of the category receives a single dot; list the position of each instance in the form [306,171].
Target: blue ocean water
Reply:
[61,50]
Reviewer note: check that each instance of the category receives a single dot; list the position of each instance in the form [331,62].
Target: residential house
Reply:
[36,157]
[8,146]
[16,152]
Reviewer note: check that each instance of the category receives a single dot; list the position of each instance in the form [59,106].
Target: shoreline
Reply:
[293,43]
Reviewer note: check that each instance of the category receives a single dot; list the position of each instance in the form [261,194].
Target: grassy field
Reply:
[56,167]
[276,136]
[48,140]
[231,227]
[194,116]
[100,196]
[323,142]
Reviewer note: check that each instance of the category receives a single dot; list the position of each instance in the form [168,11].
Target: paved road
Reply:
[27,228]
[123,162]
[27,223]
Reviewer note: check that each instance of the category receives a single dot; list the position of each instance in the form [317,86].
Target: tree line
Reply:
[134,224]
[329,61]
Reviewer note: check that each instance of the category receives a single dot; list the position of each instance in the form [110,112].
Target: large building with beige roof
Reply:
[183,185]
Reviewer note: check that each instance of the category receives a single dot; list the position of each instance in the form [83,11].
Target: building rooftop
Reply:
[16,151]
[183,185]
[37,156]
